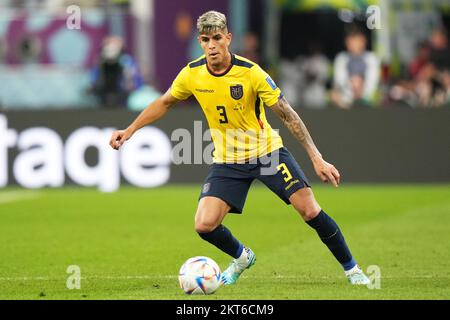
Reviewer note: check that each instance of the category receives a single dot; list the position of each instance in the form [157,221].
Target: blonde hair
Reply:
[211,21]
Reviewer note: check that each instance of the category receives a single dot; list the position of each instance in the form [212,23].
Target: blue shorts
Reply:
[230,182]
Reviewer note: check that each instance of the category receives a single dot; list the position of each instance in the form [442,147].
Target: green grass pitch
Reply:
[131,244]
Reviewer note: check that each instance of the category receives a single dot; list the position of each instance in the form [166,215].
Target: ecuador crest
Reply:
[237,91]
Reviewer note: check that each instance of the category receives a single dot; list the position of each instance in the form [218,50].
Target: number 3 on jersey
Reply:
[285,172]
[222,114]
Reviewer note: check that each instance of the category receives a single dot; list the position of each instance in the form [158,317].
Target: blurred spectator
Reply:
[356,72]
[421,60]
[116,75]
[290,79]
[250,48]
[429,85]
[440,51]
[440,62]
[314,76]
[304,79]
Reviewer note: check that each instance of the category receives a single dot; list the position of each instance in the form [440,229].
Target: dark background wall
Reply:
[365,145]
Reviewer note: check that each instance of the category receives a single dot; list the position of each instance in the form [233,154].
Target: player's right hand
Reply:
[118,138]
[327,172]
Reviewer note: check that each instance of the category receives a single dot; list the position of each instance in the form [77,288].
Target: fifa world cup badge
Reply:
[238,107]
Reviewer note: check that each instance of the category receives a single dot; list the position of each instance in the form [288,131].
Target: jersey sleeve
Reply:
[265,87]
[180,86]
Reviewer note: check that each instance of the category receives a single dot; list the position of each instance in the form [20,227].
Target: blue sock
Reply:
[331,235]
[222,238]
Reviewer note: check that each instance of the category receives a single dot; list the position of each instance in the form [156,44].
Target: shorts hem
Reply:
[233,208]
[294,189]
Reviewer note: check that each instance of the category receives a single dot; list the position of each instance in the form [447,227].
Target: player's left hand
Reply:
[327,172]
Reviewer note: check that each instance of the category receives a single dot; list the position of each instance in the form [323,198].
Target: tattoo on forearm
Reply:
[292,121]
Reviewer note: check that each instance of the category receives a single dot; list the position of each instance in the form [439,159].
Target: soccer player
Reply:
[232,92]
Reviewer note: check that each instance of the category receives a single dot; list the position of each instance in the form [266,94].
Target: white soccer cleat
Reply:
[237,266]
[356,276]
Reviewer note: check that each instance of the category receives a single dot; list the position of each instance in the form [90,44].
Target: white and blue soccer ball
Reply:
[199,275]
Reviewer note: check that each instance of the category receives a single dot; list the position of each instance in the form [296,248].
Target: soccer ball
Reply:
[199,275]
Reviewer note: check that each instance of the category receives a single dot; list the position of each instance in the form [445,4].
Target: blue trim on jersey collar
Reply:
[242,63]
[197,63]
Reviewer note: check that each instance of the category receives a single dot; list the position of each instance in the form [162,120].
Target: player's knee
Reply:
[204,226]
[207,220]
[308,211]
[305,203]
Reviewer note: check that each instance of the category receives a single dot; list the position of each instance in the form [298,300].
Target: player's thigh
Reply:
[210,213]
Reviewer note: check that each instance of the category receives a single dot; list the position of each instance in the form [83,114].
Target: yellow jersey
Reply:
[233,103]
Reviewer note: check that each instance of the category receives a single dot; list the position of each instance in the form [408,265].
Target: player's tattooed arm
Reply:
[294,123]
[290,118]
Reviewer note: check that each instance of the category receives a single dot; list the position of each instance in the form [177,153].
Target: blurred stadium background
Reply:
[71,71]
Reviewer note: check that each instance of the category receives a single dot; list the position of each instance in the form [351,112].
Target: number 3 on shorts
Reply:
[285,172]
